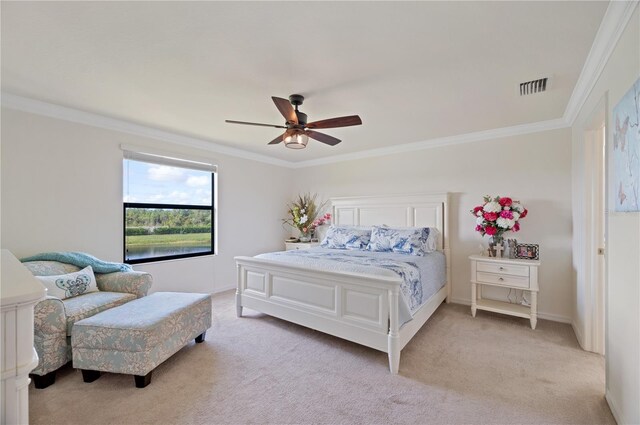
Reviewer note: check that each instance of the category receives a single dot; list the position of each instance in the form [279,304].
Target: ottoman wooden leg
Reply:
[200,338]
[90,375]
[143,381]
[43,381]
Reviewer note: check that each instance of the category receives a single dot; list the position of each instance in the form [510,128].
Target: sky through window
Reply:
[163,184]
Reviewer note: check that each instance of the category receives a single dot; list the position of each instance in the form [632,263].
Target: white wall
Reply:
[62,191]
[623,240]
[534,168]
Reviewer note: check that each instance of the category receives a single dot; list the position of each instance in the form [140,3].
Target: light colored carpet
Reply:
[259,370]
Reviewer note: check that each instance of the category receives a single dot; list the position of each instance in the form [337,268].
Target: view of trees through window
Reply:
[168,212]
[146,220]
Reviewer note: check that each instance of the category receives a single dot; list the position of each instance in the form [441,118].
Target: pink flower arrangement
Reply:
[320,221]
[498,215]
[315,223]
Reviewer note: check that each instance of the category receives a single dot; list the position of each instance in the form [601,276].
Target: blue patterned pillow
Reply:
[406,240]
[346,237]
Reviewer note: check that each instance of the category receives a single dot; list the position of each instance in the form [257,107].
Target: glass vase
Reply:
[305,236]
[495,241]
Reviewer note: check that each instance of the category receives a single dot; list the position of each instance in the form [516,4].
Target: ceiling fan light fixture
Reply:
[296,140]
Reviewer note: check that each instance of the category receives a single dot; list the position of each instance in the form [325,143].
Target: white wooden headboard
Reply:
[416,210]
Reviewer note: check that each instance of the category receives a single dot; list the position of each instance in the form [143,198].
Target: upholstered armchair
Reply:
[54,317]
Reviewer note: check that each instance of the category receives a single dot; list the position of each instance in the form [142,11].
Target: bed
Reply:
[354,304]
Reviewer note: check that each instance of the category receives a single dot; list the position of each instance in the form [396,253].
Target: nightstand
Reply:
[507,273]
[291,246]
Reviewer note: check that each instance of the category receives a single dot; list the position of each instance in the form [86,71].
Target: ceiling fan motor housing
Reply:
[302,118]
[296,100]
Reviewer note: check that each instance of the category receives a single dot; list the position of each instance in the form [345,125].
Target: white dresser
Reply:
[20,292]
[507,273]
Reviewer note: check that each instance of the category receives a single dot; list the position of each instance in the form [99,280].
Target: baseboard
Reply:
[576,330]
[555,317]
[224,289]
[541,315]
[460,301]
[614,409]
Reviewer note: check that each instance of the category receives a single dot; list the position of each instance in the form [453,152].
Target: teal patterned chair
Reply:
[54,318]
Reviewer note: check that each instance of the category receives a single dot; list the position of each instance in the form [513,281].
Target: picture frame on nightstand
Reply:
[525,251]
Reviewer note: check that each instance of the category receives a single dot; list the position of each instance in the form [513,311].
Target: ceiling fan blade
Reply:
[324,138]
[285,108]
[254,123]
[336,122]
[277,139]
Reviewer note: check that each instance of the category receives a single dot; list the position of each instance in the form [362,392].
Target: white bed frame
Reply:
[362,308]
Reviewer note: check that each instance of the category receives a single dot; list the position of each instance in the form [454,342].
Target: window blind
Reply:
[162,158]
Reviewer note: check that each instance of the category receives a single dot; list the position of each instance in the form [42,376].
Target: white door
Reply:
[599,209]
[594,231]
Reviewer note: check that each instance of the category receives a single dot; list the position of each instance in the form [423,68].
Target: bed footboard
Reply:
[357,307]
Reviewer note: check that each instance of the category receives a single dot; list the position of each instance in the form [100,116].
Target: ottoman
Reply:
[136,337]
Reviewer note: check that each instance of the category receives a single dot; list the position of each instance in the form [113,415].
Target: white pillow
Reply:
[432,241]
[70,285]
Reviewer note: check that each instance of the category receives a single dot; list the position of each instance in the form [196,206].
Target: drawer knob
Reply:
[501,268]
[500,279]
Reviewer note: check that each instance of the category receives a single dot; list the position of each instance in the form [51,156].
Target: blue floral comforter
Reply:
[422,276]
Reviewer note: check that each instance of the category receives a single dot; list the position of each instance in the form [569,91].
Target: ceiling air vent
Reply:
[534,86]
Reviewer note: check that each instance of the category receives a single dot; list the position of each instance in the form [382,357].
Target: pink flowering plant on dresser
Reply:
[497,216]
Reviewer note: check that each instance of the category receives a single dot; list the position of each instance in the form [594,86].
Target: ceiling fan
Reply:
[298,131]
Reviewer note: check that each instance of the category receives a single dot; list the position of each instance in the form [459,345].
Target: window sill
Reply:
[171,260]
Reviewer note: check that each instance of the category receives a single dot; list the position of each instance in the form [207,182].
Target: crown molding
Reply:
[611,28]
[51,110]
[477,136]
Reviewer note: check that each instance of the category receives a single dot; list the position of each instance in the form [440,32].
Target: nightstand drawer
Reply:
[502,268]
[502,279]
[292,246]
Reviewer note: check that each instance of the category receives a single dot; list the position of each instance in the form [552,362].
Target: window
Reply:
[169,208]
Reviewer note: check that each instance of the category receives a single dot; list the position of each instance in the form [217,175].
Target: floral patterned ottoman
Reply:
[136,337]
